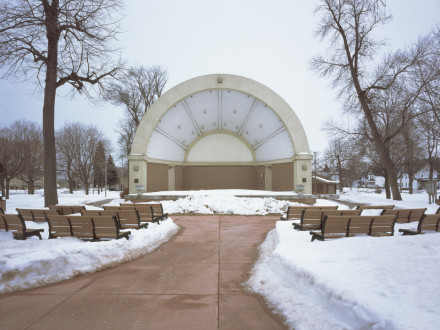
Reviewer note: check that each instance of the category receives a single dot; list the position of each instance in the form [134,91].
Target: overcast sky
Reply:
[268,41]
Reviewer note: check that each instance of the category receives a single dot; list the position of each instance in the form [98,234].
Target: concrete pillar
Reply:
[171,177]
[268,177]
[137,167]
[302,172]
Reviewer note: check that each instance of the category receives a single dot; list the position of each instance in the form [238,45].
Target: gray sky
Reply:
[268,41]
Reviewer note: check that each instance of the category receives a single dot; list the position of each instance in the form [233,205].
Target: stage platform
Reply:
[174,195]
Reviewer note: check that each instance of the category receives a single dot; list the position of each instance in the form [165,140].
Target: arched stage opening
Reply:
[220,132]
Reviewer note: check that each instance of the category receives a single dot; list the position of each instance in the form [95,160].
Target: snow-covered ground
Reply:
[346,283]
[353,283]
[33,263]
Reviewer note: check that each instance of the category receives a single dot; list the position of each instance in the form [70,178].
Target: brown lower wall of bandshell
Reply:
[157,177]
[282,177]
[179,177]
[219,177]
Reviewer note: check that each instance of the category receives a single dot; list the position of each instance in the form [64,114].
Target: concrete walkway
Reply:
[191,282]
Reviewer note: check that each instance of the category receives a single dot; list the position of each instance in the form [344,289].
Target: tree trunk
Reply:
[380,146]
[70,181]
[31,186]
[2,184]
[387,187]
[50,162]
[7,187]
[411,181]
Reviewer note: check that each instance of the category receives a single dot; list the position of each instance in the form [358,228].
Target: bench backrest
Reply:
[59,226]
[40,214]
[374,207]
[157,209]
[331,212]
[351,212]
[129,218]
[2,221]
[359,224]
[111,207]
[429,222]
[68,209]
[416,214]
[82,226]
[105,227]
[90,213]
[335,225]
[311,218]
[126,205]
[383,225]
[295,212]
[405,215]
[26,214]
[14,222]
[145,213]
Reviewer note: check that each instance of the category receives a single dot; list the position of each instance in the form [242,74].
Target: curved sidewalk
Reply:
[191,282]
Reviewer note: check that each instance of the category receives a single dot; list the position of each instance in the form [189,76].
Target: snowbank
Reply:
[226,204]
[33,262]
[354,283]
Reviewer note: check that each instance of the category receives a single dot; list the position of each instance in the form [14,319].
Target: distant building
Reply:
[323,186]
[421,177]
[370,180]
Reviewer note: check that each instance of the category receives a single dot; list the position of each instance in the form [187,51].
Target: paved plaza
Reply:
[191,282]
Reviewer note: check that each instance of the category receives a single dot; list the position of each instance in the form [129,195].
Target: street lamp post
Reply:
[315,153]
[105,176]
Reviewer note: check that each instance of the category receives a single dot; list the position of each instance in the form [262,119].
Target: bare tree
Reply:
[350,25]
[65,139]
[85,142]
[12,155]
[99,166]
[58,42]
[31,138]
[136,92]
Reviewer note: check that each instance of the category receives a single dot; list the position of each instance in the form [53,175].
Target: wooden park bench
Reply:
[59,226]
[145,211]
[107,227]
[429,222]
[36,215]
[15,224]
[332,227]
[2,221]
[383,225]
[131,219]
[68,209]
[157,208]
[405,215]
[146,214]
[340,226]
[374,207]
[127,218]
[310,219]
[295,212]
[86,227]
[112,207]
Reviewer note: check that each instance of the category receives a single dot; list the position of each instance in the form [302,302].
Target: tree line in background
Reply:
[83,156]
[71,43]
[392,98]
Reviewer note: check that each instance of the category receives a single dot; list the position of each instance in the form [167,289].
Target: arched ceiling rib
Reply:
[220,110]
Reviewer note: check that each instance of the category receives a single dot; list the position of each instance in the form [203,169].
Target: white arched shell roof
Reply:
[220,104]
